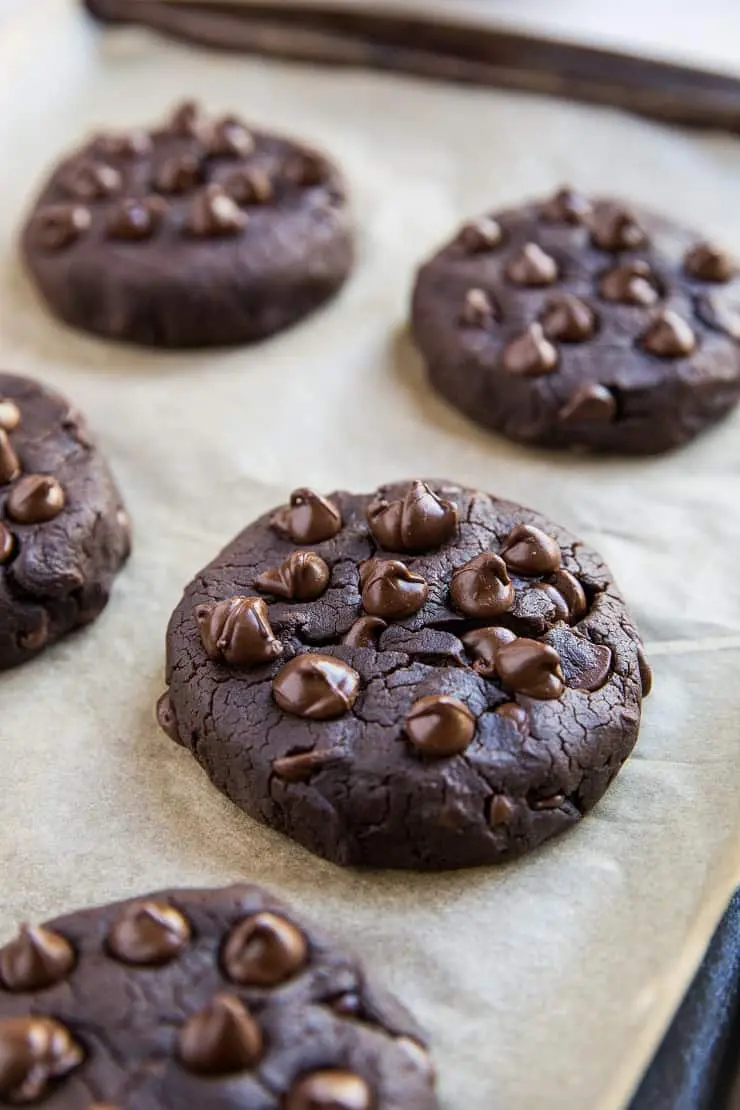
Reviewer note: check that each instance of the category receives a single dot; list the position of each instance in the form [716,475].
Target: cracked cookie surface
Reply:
[579,322]
[461,682]
[202,232]
[220,999]
[64,533]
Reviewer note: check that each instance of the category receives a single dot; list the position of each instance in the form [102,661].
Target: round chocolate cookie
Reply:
[421,677]
[215,1000]
[63,531]
[580,323]
[204,232]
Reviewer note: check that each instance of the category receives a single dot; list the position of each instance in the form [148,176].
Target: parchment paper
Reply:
[546,983]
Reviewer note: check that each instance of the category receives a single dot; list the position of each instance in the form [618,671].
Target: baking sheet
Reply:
[544,983]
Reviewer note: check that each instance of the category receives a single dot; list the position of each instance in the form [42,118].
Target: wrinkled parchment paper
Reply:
[546,983]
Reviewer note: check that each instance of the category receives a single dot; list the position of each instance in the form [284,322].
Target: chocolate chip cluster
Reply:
[198,175]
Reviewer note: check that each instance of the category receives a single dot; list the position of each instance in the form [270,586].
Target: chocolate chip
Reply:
[528,550]
[419,521]
[546,801]
[417,1053]
[36,638]
[251,186]
[530,668]
[329,1090]
[477,236]
[478,311]
[483,646]
[166,718]
[668,336]
[237,631]
[179,175]
[709,263]
[390,590]
[10,415]
[632,283]
[316,686]
[346,1004]
[517,714]
[213,213]
[148,934]
[264,950]
[501,810]
[566,207]
[590,402]
[530,354]
[130,144]
[304,765]
[229,138]
[60,225]
[531,266]
[309,518]
[34,1051]
[614,228]
[586,666]
[10,466]
[7,543]
[646,671]
[92,181]
[482,587]
[439,726]
[221,1038]
[37,958]
[36,499]
[567,595]
[188,120]
[136,220]
[365,632]
[303,576]
[568,319]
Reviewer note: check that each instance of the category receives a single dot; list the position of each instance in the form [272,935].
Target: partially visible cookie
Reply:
[64,533]
[203,232]
[207,999]
[584,323]
[424,676]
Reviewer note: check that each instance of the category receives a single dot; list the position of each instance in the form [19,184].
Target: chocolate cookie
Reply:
[582,323]
[204,232]
[63,531]
[422,677]
[220,1000]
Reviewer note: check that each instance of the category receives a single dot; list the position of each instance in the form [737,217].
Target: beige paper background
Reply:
[546,983]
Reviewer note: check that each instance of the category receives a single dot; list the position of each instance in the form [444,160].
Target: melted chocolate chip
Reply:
[419,521]
[33,1052]
[10,415]
[566,207]
[302,766]
[646,671]
[567,594]
[264,950]
[7,543]
[590,402]
[136,220]
[237,631]
[531,266]
[480,235]
[329,1090]
[36,499]
[36,638]
[586,665]
[439,726]
[478,310]
[483,646]
[632,283]
[130,144]
[303,576]
[530,354]
[501,810]
[179,175]
[614,228]
[482,587]
[166,718]
[221,1038]
[229,138]
[390,590]
[668,336]
[92,181]
[347,1004]
[148,934]
[517,714]
[37,958]
[709,263]
[10,466]
[530,668]
[365,632]
[316,686]
[568,319]
[309,518]
[214,214]
[188,120]
[251,186]
[546,801]
[60,225]
[528,550]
